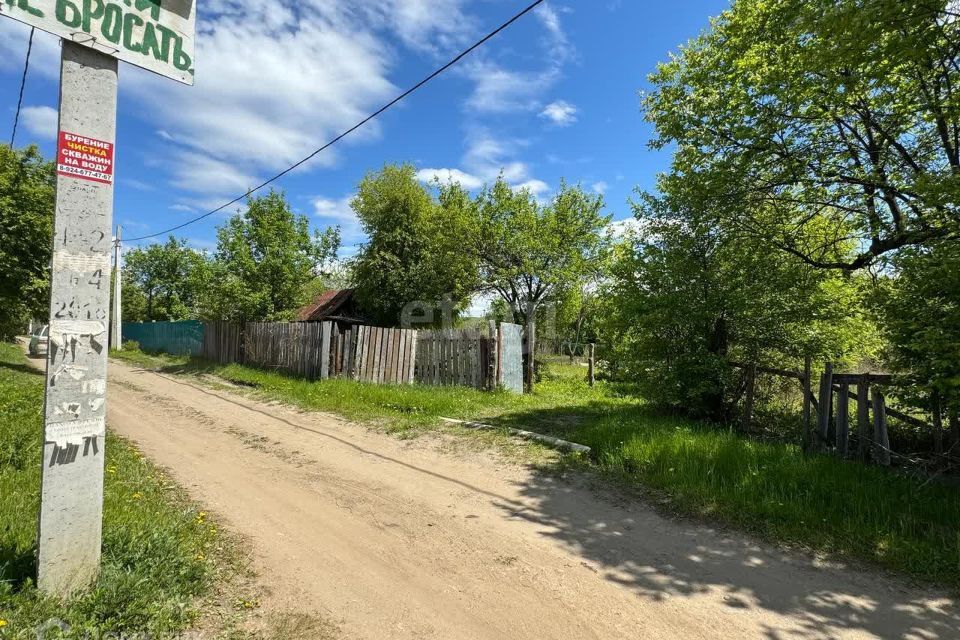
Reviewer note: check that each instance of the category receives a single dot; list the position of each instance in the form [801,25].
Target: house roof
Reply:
[325,305]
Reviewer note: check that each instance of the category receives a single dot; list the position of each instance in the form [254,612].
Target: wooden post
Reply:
[116,320]
[531,372]
[863,418]
[494,350]
[881,438]
[591,365]
[843,420]
[826,406]
[953,416]
[746,420]
[807,403]
[937,417]
[499,355]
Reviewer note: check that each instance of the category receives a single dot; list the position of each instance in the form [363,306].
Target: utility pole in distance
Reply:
[116,333]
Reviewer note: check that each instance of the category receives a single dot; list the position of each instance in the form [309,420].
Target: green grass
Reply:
[161,555]
[773,490]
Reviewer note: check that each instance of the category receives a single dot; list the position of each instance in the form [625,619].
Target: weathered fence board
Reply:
[369,354]
[222,342]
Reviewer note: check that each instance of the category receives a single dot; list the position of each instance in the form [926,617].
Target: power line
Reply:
[343,135]
[23,83]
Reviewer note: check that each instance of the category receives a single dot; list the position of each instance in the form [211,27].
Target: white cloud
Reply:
[627,226]
[560,113]
[536,187]
[140,185]
[434,26]
[501,90]
[339,213]
[600,187]
[274,81]
[446,176]
[557,41]
[202,173]
[40,121]
[336,210]
[44,57]
[486,158]
[258,114]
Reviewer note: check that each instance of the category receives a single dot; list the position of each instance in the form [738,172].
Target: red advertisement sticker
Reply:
[85,158]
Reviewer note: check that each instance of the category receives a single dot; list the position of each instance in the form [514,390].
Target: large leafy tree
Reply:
[265,257]
[920,313]
[27,189]
[530,254]
[162,281]
[415,247]
[685,298]
[835,116]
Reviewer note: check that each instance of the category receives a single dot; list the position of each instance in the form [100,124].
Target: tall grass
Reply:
[771,489]
[160,554]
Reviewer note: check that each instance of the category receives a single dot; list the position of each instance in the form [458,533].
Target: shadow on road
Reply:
[659,559]
[631,545]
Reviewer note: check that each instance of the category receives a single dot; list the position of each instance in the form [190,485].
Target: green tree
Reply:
[27,191]
[265,257]
[530,254]
[163,278]
[415,247]
[686,297]
[920,315]
[576,316]
[838,115]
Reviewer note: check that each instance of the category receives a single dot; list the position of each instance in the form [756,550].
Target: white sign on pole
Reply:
[157,35]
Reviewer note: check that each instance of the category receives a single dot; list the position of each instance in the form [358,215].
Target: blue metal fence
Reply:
[176,338]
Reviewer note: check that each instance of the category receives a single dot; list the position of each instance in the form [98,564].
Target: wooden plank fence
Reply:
[833,428]
[222,342]
[318,351]
[456,357]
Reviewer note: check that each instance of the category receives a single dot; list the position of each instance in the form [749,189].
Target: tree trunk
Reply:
[807,404]
[530,372]
[718,343]
[954,419]
[937,417]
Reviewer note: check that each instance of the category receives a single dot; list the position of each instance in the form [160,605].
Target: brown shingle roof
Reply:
[324,305]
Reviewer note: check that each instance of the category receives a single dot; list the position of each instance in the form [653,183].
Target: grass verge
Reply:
[164,563]
[773,490]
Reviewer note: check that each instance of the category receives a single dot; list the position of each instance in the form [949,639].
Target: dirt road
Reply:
[397,539]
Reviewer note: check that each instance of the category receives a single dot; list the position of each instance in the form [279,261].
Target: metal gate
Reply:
[512,356]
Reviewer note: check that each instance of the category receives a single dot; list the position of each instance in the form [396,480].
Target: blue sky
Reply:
[554,97]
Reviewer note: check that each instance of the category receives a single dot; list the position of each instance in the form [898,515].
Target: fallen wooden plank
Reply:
[526,435]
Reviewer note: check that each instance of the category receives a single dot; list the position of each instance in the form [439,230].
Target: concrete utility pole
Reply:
[95,35]
[71,502]
[116,334]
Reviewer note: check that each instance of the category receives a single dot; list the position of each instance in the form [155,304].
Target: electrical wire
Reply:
[23,83]
[343,135]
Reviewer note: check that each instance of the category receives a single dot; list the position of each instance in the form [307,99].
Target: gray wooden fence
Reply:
[319,351]
[222,342]
[454,357]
